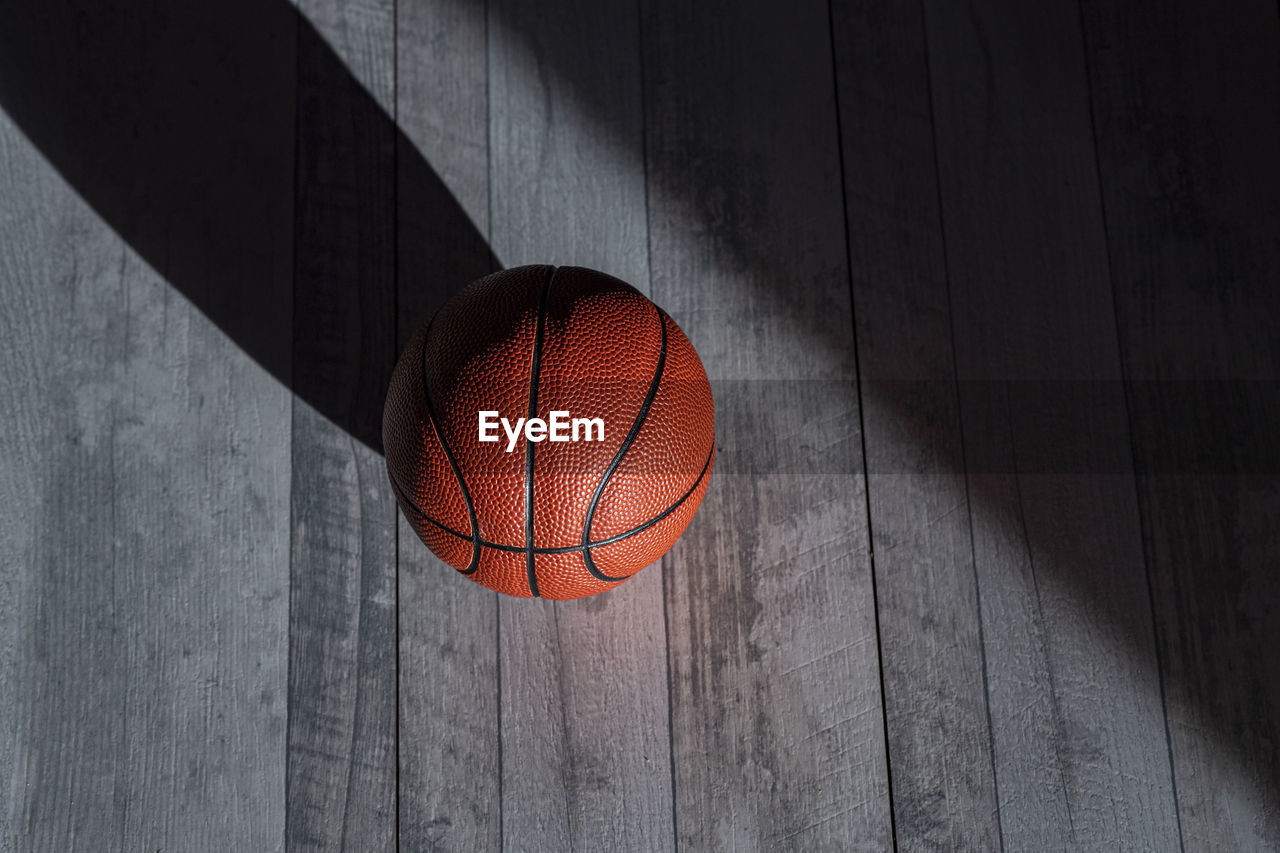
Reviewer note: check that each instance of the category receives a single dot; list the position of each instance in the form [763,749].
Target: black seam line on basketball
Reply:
[407,502]
[569,549]
[448,454]
[534,367]
[622,451]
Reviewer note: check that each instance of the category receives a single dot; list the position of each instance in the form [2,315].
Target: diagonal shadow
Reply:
[233,150]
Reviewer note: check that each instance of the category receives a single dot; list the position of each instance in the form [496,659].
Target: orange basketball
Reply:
[550,432]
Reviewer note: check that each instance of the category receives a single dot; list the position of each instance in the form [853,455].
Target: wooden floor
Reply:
[988,296]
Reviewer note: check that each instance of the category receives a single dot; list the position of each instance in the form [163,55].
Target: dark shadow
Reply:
[234,151]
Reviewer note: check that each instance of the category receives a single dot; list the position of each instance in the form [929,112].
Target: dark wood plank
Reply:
[145,456]
[940,747]
[585,741]
[776,711]
[448,737]
[1072,679]
[342,641]
[1185,99]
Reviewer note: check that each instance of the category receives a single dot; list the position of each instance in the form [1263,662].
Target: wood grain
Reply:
[449,738]
[1055,226]
[145,460]
[342,664]
[585,741]
[933,668]
[1185,103]
[1073,688]
[776,711]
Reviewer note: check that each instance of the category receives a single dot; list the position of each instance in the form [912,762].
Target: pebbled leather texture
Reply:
[593,346]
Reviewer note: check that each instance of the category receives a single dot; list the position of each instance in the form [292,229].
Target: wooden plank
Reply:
[342,640]
[145,455]
[1073,687]
[448,734]
[776,710]
[585,743]
[1185,105]
[939,738]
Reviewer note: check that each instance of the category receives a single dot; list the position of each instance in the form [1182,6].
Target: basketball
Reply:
[549,432]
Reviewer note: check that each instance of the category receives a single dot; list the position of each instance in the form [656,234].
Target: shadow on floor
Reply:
[176,123]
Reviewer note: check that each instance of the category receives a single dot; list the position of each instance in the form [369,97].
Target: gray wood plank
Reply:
[585,743]
[1073,687]
[776,709]
[1185,106]
[448,735]
[939,738]
[342,640]
[145,472]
